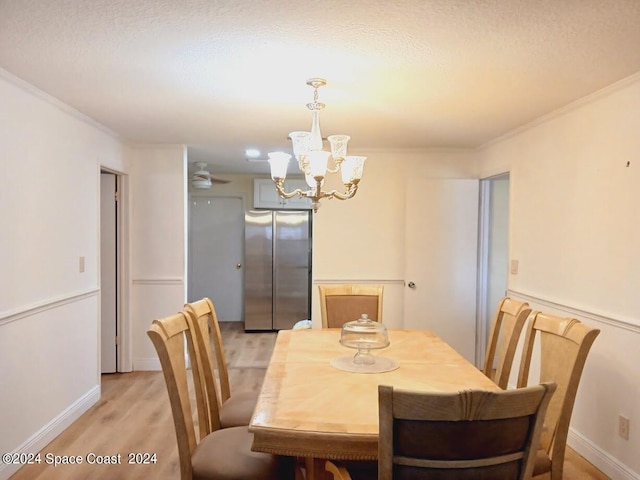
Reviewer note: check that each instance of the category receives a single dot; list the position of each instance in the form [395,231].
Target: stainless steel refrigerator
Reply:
[277,277]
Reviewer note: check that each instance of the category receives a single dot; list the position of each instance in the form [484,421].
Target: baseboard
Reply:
[50,431]
[150,364]
[604,462]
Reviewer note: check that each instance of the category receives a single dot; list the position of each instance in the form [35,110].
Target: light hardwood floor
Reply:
[134,416]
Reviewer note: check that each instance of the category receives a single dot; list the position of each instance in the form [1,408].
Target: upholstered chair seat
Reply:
[226,455]
[238,410]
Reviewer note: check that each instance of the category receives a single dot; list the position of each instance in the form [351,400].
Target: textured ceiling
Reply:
[221,76]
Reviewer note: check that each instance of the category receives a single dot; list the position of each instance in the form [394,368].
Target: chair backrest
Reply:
[168,336]
[507,325]
[564,345]
[474,434]
[343,303]
[204,324]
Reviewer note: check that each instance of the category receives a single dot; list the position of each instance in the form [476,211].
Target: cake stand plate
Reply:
[381,365]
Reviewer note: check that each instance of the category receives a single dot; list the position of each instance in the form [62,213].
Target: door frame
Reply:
[483,318]
[124,354]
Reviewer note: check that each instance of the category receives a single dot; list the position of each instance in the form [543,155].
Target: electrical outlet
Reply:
[623,427]
[81,264]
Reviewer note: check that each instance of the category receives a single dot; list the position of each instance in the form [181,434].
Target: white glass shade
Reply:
[318,160]
[279,162]
[338,145]
[300,141]
[351,168]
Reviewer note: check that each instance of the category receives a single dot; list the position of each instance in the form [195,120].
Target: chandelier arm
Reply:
[350,193]
[280,187]
[337,162]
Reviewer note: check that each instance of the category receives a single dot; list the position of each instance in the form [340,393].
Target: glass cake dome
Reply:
[364,335]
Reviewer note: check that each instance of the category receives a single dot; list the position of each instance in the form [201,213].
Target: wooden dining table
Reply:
[308,408]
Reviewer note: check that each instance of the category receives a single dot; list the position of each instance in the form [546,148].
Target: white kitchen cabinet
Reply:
[265,194]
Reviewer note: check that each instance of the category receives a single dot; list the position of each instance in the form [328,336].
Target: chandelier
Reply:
[313,161]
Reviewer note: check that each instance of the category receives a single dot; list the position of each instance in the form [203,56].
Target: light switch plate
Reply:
[514,267]
[623,427]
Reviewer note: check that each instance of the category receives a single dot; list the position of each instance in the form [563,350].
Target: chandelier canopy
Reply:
[313,161]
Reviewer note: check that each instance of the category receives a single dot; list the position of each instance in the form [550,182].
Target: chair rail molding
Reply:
[337,281]
[158,281]
[577,312]
[52,303]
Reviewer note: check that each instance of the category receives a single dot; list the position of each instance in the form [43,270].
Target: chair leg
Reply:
[299,474]
[339,473]
[315,469]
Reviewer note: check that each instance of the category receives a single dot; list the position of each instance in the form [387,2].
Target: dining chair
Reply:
[223,454]
[343,303]
[472,434]
[233,410]
[506,328]
[563,347]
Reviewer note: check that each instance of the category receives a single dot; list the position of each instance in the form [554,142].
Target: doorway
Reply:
[493,254]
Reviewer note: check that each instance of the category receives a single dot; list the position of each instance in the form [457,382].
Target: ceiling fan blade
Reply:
[205,176]
[219,180]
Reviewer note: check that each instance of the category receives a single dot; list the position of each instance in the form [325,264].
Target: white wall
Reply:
[158,242]
[575,230]
[49,310]
[362,239]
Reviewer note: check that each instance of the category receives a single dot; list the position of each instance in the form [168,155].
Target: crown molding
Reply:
[51,100]
[559,112]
